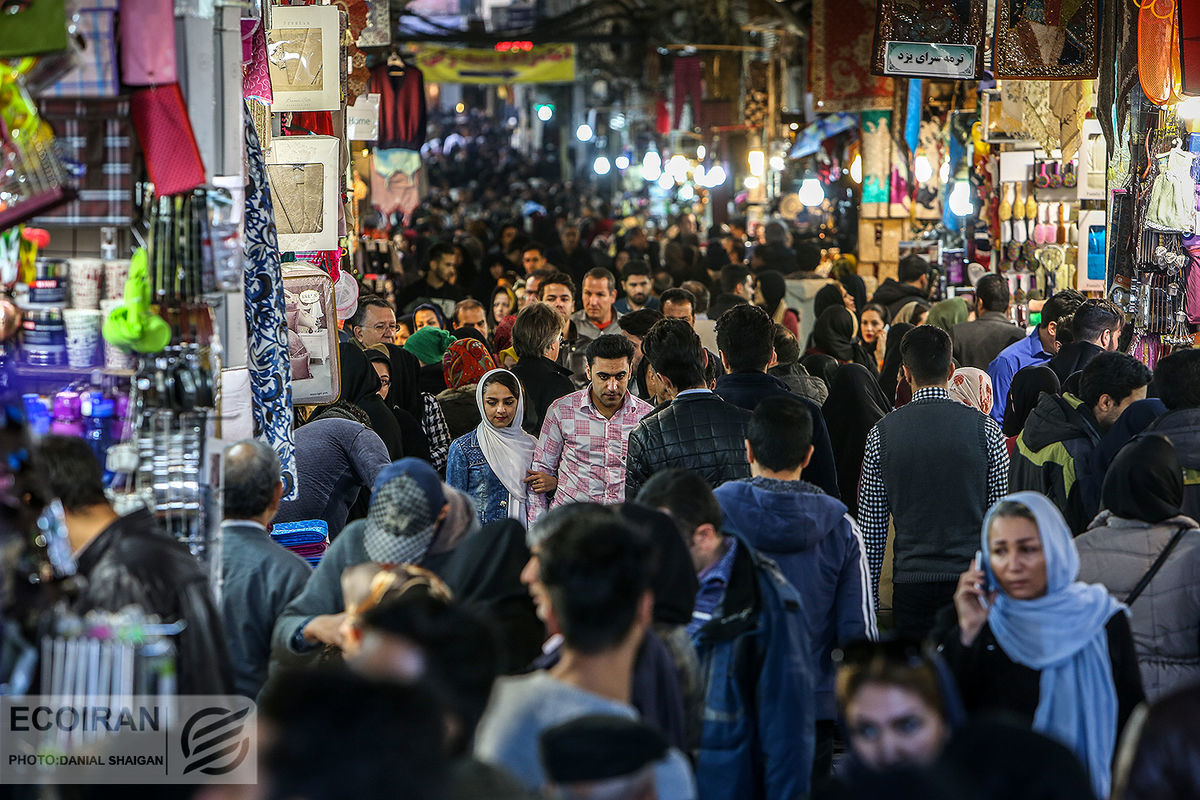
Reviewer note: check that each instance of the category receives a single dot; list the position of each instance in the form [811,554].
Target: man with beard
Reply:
[635,282]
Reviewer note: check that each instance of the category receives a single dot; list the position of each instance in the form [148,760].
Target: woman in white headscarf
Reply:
[490,463]
[1034,642]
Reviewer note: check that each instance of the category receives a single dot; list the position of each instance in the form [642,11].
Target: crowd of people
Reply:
[601,525]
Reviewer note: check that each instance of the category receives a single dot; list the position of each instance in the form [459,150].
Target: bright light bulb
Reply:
[601,166]
[687,193]
[652,161]
[715,177]
[751,183]
[544,113]
[665,181]
[698,174]
[856,169]
[776,163]
[1189,108]
[944,172]
[701,152]
[677,167]
[811,193]
[922,169]
[960,199]
[584,133]
[617,122]
[622,161]
[757,160]
[460,108]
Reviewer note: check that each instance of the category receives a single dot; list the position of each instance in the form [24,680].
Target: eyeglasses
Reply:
[384,327]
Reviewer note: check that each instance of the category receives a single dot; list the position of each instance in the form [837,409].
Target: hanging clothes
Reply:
[266,320]
[396,181]
[687,89]
[1173,195]
[401,107]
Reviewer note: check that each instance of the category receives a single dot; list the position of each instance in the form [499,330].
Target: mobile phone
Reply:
[982,586]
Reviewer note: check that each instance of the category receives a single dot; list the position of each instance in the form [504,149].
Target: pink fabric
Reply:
[1191,303]
[972,387]
[586,451]
[256,78]
[148,47]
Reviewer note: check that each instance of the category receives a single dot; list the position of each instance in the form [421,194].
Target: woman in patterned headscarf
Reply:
[466,361]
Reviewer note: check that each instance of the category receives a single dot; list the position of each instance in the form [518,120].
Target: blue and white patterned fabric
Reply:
[266,322]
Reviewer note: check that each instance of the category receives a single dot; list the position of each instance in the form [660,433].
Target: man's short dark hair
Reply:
[72,472]
[462,654]
[699,294]
[595,574]
[1177,379]
[558,279]
[439,250]
[992,291]
[780,432]
[602,274]
[359,317]
[536,328]
[609,345]
[635,266]
[252,471]
[1093,318]
[533,246]
[911,268]
[686,496]
[465,305]
[1060,305]
[675,297]
[746,337]
[1117,375]
[344,735]
[674,351]
[928,353]
[638,323]
[732,275]
[808,256]
[787,348]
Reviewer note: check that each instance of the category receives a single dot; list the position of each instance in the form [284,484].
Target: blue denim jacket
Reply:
[468,471]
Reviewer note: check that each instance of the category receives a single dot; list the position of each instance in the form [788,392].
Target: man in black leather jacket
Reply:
[130,561]
[697,430]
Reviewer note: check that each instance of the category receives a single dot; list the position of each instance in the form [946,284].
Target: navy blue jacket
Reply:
[746,389]
[758,734]
[819,550]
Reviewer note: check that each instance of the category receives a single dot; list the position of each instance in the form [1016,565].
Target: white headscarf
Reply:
[509,451]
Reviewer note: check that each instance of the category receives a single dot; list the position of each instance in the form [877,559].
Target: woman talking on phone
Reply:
[1033,643]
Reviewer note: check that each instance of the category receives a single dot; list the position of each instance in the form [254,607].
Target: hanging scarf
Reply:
[509,451]
[266,322]
[1062,634]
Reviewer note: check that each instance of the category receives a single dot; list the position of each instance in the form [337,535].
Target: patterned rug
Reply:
[842,35]
[1054,39]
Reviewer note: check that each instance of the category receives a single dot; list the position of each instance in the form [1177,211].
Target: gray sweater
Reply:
[335,459]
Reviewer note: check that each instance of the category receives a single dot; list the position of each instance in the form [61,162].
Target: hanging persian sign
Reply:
[922,39]
[548,63]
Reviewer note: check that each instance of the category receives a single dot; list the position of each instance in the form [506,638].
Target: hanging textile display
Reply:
[959,22]
[876,161]
[842,35]
[401,90]
[1048,39]
[1189,47]
[688,94]
[1158,52]
[266,322]
[396,177]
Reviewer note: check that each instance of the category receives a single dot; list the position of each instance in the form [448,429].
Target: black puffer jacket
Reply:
[894,296]
[700,432]
[133,562]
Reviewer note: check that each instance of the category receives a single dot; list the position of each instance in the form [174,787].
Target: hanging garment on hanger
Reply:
[687,87]
[401,107]
[266,321]
[1173,195]
[396,181]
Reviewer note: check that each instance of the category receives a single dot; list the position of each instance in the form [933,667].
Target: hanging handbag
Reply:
[1155,567]
[168,144]
[30,27]
[147,47]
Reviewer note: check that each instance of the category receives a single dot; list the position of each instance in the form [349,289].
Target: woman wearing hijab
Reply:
[855,404]
[413,437]
[889,374]
[428,314]
[1035,643]
[834,335]
[1027,386]
[770,295]
[1142,521]
[502,306]
[360,385]
[822,366]
[913,314]
[948,313]
[465,362]
[429,344]
[872,331]
[971,387]
[490,463]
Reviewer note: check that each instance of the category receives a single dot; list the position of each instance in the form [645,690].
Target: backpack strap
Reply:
[1156,566]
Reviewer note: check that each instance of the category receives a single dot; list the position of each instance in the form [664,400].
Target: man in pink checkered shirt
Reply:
[580,456]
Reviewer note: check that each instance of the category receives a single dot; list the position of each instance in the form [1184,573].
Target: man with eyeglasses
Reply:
[580,456]
[374,322]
